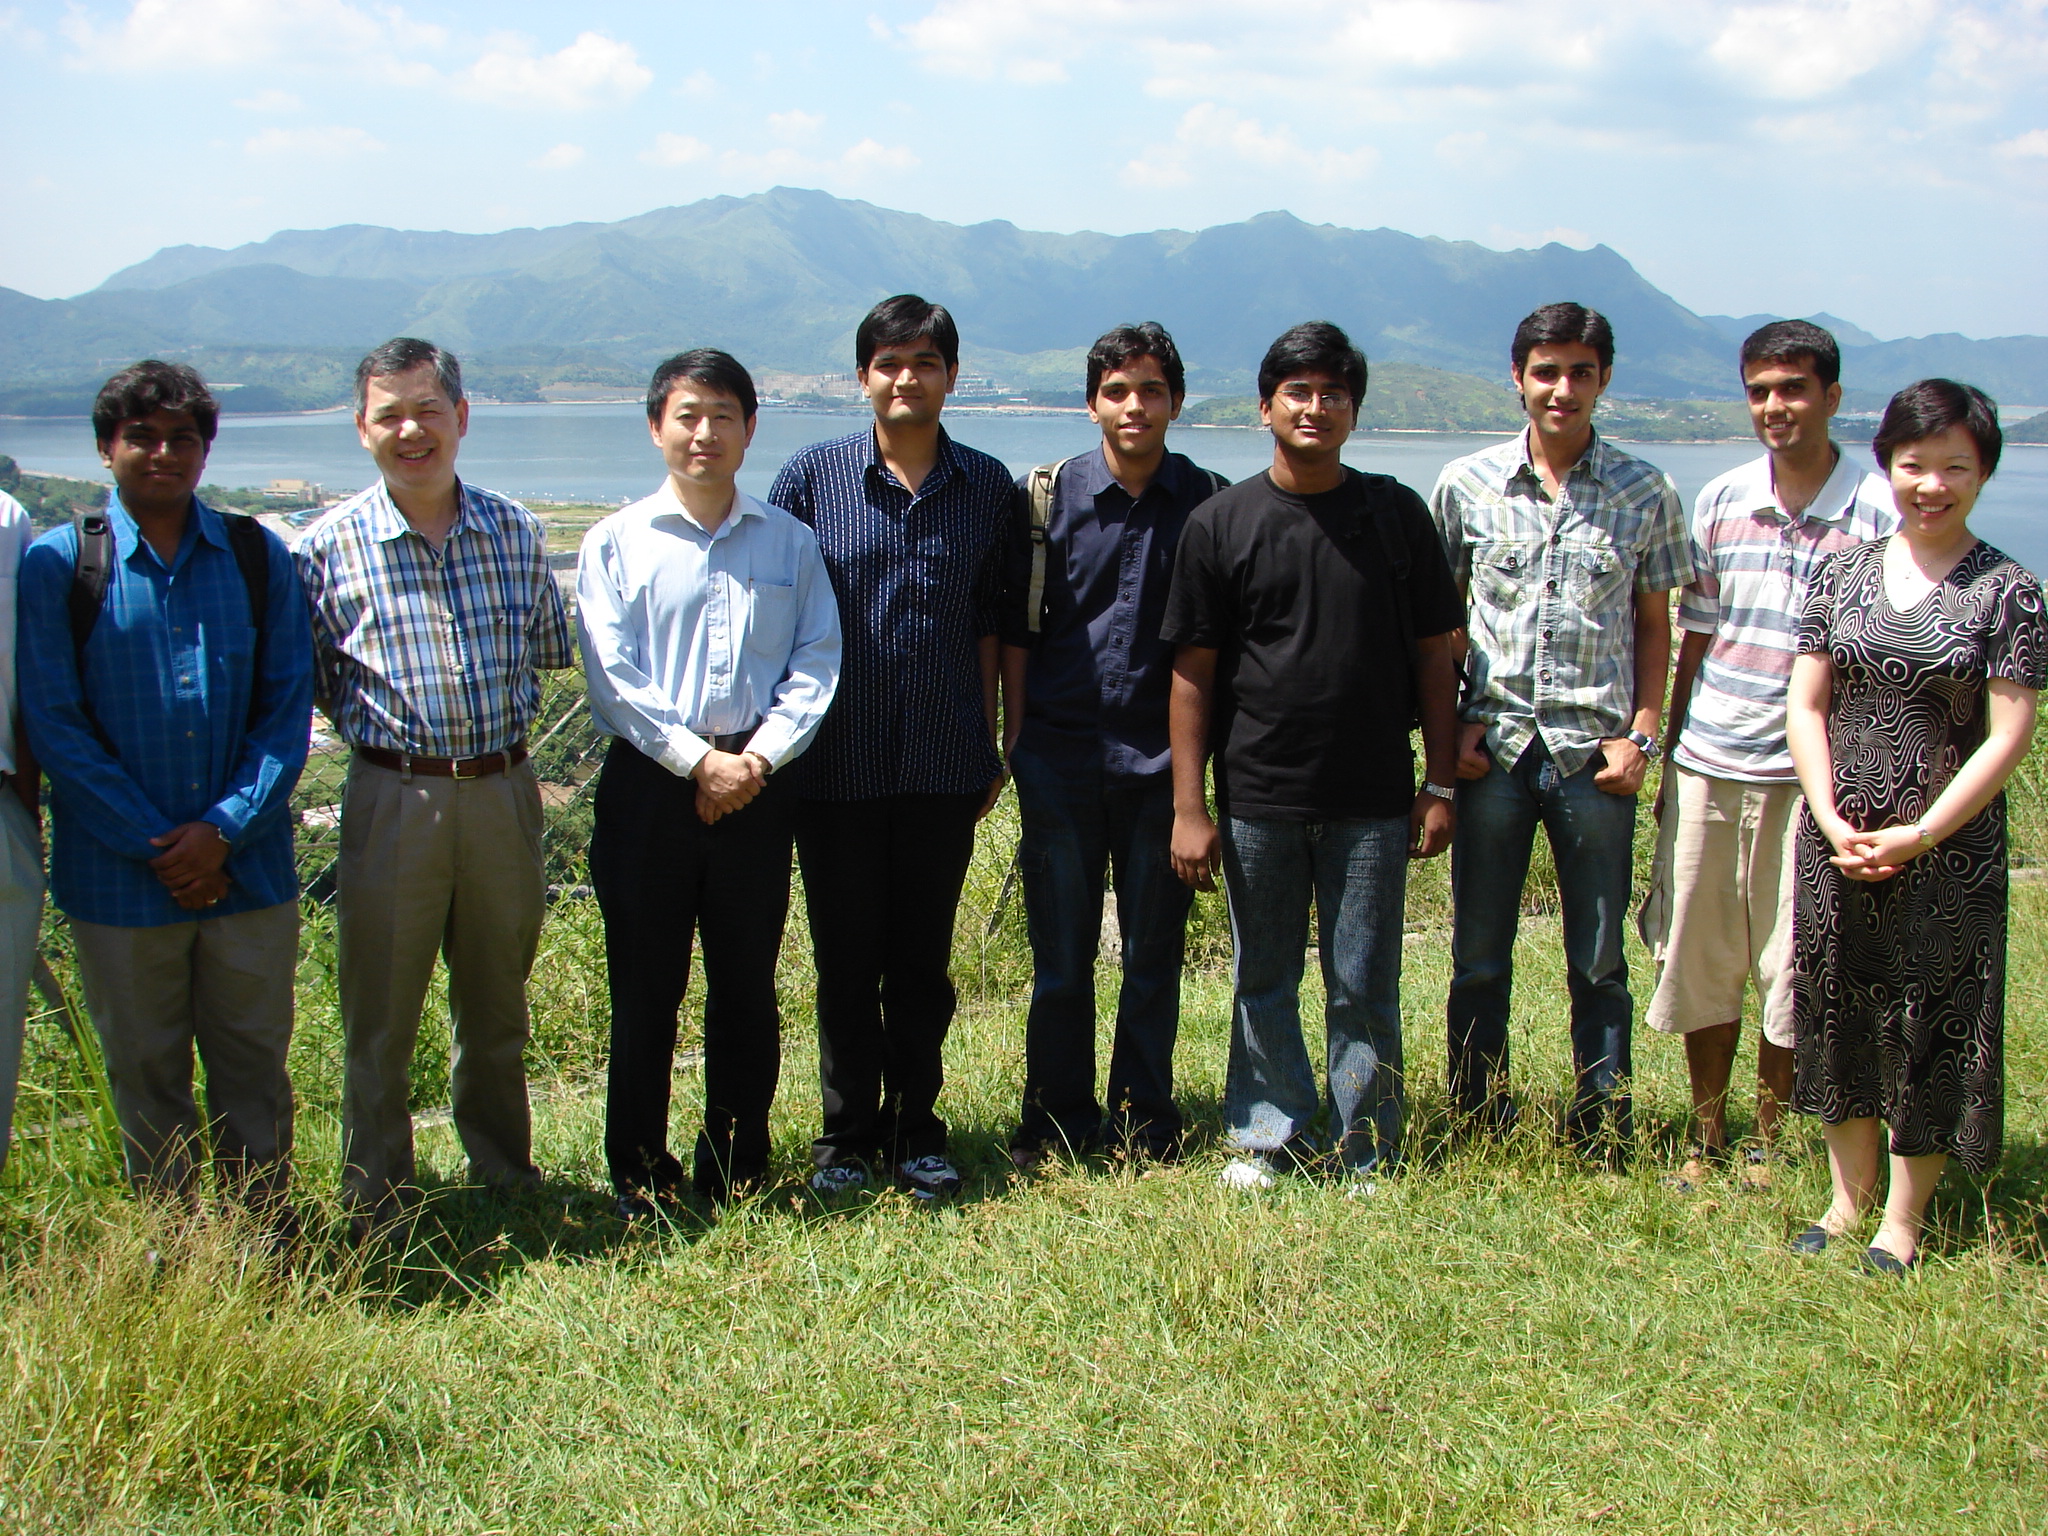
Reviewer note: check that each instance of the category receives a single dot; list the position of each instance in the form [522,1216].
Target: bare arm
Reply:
[1432,820]
[1692,651]
[1015,659]
[1806,733]
[991,669]
[1626,762]
[2009,730]
[1197,848]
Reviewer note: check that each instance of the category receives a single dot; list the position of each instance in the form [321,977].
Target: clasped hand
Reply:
[1871,856]
[727,782]
[191,864]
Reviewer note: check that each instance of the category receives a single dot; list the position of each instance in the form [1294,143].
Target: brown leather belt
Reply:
[446,767]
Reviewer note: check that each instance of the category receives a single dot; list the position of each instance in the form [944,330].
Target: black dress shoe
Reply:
[637,1207]
[1812,1241]
[1882,1261]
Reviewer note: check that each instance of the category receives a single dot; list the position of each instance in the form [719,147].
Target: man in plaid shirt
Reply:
[433,609]
[1567,549]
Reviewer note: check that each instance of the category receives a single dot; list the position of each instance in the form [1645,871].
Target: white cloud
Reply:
[2028,146]
[1207,131]
[593,70]
[675,149]
[698,82]
[159,35]
[270,100]
[856,163]
[795,126]
[1798,52]
[335,142]
[869,155]
[1503,238]
[561,158]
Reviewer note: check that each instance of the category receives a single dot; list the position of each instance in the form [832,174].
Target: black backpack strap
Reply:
[92,569]
[252,553]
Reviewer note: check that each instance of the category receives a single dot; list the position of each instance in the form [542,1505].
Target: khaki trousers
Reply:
[224,984]
[448,867]
[21,921]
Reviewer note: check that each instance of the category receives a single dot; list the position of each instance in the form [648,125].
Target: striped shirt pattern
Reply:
[433,653]
[919,581]
[179,710]
[1751,567]
[1551,590]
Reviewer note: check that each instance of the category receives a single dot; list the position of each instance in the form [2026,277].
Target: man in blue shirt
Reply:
[1085,679]
[711,642]
[911,526]
[173,734]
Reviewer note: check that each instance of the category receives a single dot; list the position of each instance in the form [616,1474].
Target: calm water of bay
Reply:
[601,453]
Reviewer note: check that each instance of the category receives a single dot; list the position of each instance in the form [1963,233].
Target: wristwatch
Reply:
[1439,791]
[1649,745]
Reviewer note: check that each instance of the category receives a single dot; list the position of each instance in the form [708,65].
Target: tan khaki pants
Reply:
[430,867]
[224,984]
[1730,905]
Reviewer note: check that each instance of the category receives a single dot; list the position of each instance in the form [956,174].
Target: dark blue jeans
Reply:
[1079,826]
[1592,841]
[1357,874]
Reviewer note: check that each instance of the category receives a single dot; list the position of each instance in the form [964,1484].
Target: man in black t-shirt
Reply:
[1312,608]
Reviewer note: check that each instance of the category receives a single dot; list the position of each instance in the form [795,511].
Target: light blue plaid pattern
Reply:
[435,654]
[1551,590]
[159,730]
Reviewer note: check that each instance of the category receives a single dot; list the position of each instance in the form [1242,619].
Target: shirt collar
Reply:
[1831,504]
[204,524]
[1093,477]
[1596,461]
[385,522]
[666,504]
[942,465]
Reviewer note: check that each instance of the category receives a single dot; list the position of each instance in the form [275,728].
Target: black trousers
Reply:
[661,875]
[881,884]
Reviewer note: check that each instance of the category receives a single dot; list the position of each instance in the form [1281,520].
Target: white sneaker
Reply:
[1246,1173]
[929,1177]
[839,1179]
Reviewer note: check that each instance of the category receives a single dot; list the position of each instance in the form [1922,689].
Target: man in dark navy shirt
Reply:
[1085,679]
[911,526]
[1313,609]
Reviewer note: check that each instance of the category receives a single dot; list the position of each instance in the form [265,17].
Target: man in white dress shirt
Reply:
[21,850]
[711,643]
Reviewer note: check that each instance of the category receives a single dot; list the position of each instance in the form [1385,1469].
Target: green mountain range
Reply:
[782,277]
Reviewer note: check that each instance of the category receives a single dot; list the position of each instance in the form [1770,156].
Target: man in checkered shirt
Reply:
[433,612]
[1567,549]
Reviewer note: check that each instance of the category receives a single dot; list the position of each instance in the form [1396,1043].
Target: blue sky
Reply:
[1884,160]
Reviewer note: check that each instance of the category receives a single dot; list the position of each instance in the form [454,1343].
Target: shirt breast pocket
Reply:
[229,653]
[771,619]
[1597,577]
[1501,574]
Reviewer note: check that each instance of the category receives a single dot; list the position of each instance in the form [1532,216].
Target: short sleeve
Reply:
[1699,605]
[1667,554]
[1817,618]
[2017,647]
[1196,610]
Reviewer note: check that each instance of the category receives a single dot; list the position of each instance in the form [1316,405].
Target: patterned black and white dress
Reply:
[1899,986]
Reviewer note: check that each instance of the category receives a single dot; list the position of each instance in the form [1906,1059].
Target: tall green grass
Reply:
[1503,1340]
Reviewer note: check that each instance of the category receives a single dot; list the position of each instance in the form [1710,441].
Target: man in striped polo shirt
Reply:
[1723,887]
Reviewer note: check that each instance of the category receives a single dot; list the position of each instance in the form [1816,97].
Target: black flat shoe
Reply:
[1812,1241]
[1882,1261]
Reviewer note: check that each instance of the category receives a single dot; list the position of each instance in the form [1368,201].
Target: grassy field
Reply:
[1501,1341]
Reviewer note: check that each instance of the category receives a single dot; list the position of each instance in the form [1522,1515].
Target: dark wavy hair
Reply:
[152,385]
[1125,344]
[1314,346]
[1932,406]
[901,320]
[1559,325]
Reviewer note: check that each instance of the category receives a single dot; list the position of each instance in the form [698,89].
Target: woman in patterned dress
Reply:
[1912,702]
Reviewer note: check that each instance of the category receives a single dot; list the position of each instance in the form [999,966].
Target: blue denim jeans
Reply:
[1080,826]
[1592,841]
[1356,872]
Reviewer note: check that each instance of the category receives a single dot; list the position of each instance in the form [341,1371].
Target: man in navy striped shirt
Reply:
[911,526]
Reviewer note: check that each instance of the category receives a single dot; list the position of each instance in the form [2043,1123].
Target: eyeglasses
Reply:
[1302,398]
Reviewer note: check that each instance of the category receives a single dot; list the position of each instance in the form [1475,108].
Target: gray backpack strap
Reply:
[1038,495]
